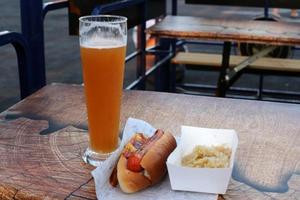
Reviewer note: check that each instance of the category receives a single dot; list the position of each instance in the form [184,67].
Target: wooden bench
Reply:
[228,31]
[213,61]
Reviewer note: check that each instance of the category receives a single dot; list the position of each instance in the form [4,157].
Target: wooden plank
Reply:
[187,27]
[215,60]
[49,166]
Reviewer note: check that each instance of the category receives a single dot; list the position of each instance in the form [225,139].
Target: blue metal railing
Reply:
[33,30]
[105,8]
[33,13]
[165,57]
[32,23]
[141,52]
[24,60]
[54,5]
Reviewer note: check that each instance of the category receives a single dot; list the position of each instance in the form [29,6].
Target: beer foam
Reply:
[102,44]
[91,38]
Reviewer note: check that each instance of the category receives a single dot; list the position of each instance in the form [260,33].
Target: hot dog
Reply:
[143,161]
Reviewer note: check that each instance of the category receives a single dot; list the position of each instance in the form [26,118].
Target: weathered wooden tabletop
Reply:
[277,33]
[42,138]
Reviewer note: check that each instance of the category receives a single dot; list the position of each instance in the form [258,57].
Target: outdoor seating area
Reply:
[182,27]
[161,84]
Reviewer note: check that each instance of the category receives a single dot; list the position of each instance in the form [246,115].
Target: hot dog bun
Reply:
[130,181]
[153,163]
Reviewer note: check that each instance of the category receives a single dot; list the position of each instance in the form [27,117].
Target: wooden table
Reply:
[42,139]
[235,30]
[229,30]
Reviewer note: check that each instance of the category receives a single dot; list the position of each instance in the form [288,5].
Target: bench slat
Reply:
[215,60]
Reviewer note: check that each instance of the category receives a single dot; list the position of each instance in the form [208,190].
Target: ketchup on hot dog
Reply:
[142,145]
[143,161]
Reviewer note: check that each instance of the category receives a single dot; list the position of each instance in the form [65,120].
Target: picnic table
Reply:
[43,137]
[229,30]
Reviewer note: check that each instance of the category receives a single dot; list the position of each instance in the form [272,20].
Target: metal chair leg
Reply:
[222,83]
[260,89]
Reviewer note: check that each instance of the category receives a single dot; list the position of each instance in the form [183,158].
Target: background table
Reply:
[228,31]
[265,32]
[42,138]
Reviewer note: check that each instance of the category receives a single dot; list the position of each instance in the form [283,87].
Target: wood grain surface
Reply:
[277,33]
[49,165]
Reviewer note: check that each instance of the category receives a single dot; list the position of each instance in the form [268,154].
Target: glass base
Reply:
[94,158]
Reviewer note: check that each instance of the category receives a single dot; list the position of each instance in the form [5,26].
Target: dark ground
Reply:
[62,50]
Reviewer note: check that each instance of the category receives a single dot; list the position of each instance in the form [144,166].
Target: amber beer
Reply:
[103,41]
[103,71]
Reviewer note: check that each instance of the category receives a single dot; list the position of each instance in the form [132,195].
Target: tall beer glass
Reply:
[103,41]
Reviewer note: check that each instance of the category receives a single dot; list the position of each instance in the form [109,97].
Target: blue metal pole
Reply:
[142,4]
[24,62]
[141,64]
[174,7]
[266,9]
[33,31]
[54,5]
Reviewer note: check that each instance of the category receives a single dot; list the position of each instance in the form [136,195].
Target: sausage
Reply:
[134,158]
[143,161]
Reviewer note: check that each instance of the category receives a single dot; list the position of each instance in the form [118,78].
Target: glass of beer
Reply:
[103,40]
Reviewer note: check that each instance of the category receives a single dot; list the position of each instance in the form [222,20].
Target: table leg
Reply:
[173,69]
[232,75]
[222,83]
[261,84]
[162,74]
[141,59]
